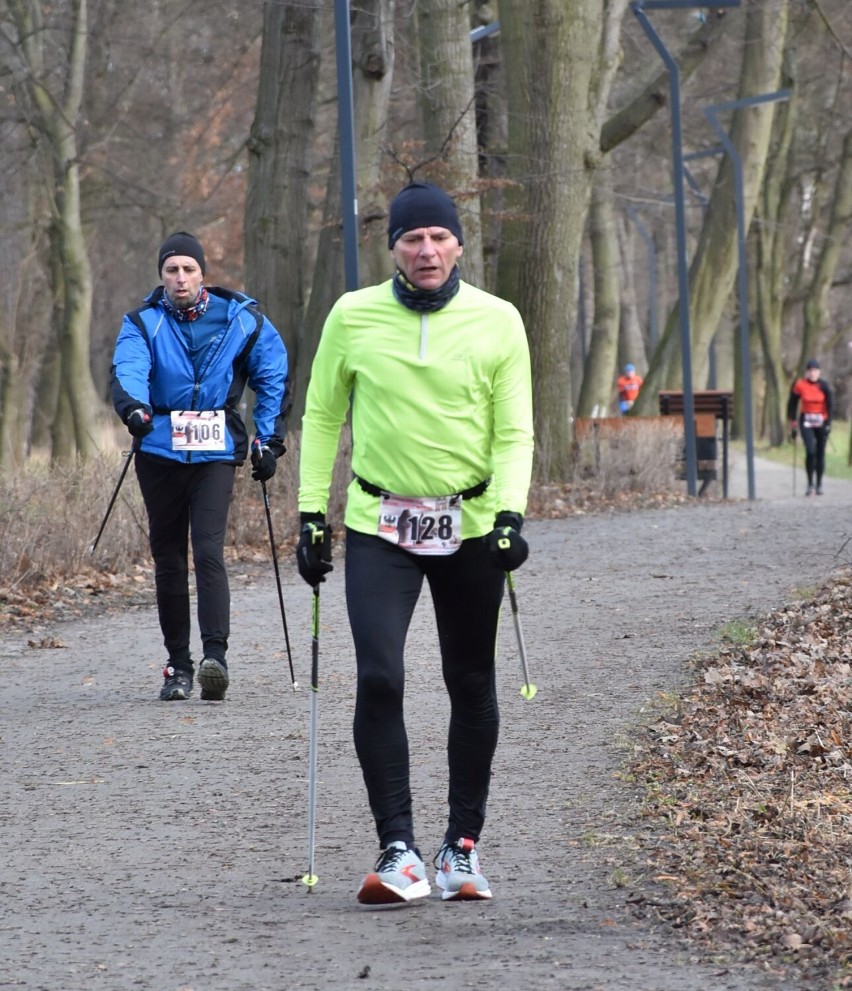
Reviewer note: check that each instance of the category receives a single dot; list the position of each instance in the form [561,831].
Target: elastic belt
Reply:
[471,493]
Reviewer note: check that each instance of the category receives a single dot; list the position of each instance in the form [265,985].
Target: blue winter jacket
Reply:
[153,370]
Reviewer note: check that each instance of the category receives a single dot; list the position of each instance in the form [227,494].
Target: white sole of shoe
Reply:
[466,892]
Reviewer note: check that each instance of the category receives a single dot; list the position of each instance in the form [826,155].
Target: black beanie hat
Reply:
[421,204]
[181,243]
[813,363]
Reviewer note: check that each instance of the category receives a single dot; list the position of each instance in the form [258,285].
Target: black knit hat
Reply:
[181,243]
[422,204]
[812,363]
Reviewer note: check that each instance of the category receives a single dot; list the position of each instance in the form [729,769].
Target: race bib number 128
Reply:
[421,525]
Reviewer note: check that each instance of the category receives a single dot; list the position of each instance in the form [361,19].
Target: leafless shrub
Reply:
[50,514]
[629,454]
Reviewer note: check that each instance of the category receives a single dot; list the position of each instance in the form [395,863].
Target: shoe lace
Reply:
[389,858]
[460,859]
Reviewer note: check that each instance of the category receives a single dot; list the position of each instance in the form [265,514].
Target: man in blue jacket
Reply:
[180,367]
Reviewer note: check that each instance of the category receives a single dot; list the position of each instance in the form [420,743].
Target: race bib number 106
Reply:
[198,430]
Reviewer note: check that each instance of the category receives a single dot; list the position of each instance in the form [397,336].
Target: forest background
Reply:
[122,123]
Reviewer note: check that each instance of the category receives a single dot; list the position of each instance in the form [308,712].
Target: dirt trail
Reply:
[158,847]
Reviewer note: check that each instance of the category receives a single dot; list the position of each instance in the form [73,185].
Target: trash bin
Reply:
[708,406]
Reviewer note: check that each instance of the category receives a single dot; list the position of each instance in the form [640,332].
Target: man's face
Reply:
[812,374]
[426,256]
[182,277]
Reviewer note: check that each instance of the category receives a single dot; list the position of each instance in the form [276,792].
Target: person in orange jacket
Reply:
[814,421]
[628,386]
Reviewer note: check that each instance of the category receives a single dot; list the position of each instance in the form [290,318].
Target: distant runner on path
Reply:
[813,394]
[628,385]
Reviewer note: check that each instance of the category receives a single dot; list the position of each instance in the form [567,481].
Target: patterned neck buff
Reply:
[425,300]
[193,312]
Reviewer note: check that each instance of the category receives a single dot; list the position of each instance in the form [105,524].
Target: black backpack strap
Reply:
[136,317]
[253,336]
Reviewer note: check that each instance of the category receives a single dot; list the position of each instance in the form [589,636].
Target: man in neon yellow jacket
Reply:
[438,375]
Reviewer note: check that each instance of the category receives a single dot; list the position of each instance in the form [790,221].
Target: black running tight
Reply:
[814,439]
[383,584]
[183,499]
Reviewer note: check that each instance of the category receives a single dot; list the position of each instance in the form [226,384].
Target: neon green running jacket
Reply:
[440,401]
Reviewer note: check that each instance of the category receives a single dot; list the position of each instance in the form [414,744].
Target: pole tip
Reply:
[310,880]
[529,691]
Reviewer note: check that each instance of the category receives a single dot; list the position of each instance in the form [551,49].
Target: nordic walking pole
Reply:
[795,437]
[128,458]
[528,690]
[278,583]
[310,879]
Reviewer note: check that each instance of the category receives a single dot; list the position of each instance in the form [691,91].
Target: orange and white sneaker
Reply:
[399,877]
[459,875]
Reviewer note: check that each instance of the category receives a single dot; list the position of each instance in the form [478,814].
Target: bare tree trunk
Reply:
[373,54]
[770,239]
[56,116]
[26,311]
[492,126]
[373,62]
[560,59]
[631,340]
[449,116]
[596,391]
[280,158]
[840,212]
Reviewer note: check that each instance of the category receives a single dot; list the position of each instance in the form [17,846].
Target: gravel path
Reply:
[159,847]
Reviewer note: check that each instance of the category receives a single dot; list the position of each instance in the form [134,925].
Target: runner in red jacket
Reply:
[628,386]
[814,421]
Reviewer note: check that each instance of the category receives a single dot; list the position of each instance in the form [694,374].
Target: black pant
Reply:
[814,439]
[383,584]
[181,499]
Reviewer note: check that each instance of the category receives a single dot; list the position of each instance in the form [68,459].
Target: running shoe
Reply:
[177,685]
[213,678]
[459,875]
[399,877]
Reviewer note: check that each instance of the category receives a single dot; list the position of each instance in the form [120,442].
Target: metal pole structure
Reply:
[639,7]
[742,275]
[346,137]
[647,237]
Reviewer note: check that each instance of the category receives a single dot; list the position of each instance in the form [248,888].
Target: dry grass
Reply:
[50,514]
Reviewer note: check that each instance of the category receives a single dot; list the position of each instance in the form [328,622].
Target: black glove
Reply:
[826,428]
[263,461]
[794,432]
[508,548]
[313,554]
[139,422]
